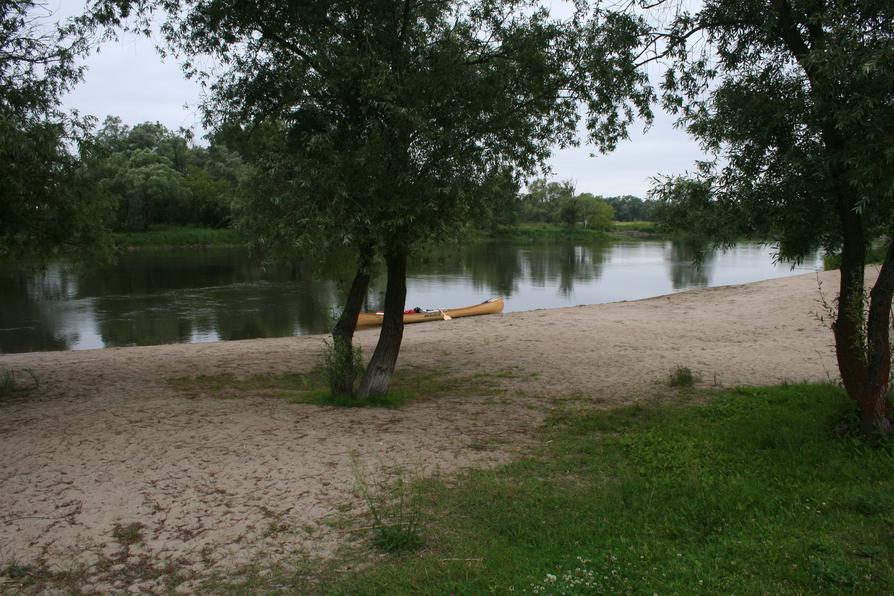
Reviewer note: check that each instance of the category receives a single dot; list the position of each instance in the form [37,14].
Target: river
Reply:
[172,296]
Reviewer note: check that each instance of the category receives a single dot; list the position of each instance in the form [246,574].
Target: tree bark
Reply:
[862,343]
[381,366]
[342,382]
[875,408]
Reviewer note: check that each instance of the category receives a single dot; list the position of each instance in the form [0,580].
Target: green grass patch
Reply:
[15,384]
[535,232]
[639,227]
[312,387]
[875,254]
[174,236]
[682,377]
[746,492]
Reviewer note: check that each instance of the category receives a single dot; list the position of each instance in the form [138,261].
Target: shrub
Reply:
[683,377]
[340,361]
[394,505]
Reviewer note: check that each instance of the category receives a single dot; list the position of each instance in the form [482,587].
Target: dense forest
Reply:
[155,176]
[557,203]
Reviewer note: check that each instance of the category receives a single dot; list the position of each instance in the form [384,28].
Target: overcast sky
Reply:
[128,79]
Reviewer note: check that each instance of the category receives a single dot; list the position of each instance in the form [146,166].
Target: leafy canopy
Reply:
[46,201]
[382,121]
[795,99]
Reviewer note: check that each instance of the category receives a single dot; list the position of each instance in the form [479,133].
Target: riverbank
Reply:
[552,232]
[110,467]
[166,237]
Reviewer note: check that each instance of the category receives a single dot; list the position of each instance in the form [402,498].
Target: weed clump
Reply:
[682,377]
[394,505]
[11,383]
[129,534]
[342,366]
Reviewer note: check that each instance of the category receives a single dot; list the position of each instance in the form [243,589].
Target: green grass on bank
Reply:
[639,227]
[173,236]
[746,492]
[875,254]
[181,236]
[311,387]
[545,231]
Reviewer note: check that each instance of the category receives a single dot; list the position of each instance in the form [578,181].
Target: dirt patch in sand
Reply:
[108,462]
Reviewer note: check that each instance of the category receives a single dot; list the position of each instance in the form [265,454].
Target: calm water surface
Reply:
[158,297]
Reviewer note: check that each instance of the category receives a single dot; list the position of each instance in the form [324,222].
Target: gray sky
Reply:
[128,79]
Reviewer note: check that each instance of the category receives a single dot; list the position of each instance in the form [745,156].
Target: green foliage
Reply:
[392,122]
[795,101]
[174,236]
[156,176]
[875,254]
[48,203]
[629,208]
[594,213]
[792,100]
[636,227]
[682,377]
[393,501]
[556,203]
[338,360]
[686,206]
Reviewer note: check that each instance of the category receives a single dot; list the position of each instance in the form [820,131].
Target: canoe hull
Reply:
[490,307]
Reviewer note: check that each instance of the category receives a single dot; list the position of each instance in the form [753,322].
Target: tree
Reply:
[47,200]
[630,208]
[596,213]
[797,97]
[395,113]
[543,201]
[157,176]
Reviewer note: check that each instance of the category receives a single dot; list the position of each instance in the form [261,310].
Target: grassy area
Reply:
[756,490]
[311,387]
[875,254]
[748,491]
[545,231]
[16,383]
[172,236]
[637,227]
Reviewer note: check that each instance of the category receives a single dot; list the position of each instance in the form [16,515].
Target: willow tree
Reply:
[797,98]
[46,201]
[397,112]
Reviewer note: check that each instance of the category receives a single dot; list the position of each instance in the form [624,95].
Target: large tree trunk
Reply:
[381,366]
[875,408]
[863,346]
[344,372]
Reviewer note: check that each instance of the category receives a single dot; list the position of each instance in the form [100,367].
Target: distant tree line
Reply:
[557,203]
[153,175]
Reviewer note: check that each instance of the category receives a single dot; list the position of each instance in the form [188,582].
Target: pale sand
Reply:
[106,440]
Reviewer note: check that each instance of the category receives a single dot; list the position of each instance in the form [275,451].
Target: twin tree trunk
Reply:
[344,371]
[381,366]
[377,378]
[862,342]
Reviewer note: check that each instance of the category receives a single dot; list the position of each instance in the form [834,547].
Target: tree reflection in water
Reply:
[690,263]
[159,296]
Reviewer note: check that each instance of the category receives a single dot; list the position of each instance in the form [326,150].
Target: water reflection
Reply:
[155,297]
[690,264]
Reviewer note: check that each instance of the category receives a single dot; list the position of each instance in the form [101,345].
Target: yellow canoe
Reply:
[488,307]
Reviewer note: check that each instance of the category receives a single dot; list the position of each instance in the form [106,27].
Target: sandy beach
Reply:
[107,443]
